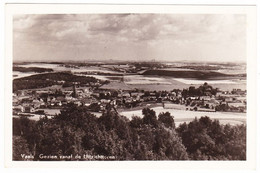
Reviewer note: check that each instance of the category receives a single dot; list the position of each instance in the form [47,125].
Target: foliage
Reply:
[20,146]
[208,140]
[149,117]
[187,74]
[76,131]
[167,120]
[32,69]
[202,90]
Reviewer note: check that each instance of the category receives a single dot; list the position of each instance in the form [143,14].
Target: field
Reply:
[175,76]
[181,116]
[155,83]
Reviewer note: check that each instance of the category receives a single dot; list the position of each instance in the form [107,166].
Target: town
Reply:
[97,98]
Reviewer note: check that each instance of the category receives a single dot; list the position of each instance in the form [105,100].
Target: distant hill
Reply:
[200,75]
[32,69]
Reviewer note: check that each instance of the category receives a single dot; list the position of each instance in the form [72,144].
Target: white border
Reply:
[228,165]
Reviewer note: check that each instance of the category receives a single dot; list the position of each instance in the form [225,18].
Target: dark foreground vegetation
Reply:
[200,75]
[32,69]
[75,131]
[49,79]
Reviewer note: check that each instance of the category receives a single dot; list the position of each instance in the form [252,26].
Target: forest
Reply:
[49,79]
[32,69]
[200,75]
[75,131]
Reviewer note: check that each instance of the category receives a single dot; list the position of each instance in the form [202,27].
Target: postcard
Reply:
[165,86]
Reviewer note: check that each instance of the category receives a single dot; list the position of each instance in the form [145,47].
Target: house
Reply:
[205,98]
[128,100]
[219,94]
[223,103]
[238,91]
[240,107]
[18,108]
[126,95]
[229,99]
[58,103]
[213,101]
[173,94]
[68,97]
[21,93]
[15,101]
[206,110]
[60,82]
[42,92]
[36,103]
[105,101]
[61,98]
[95,94]
[237,105]
[86,90]
[78,103]
[26,99]
[51,99]
[136,94]
[207,93]
[87,104]
[193,98]
[29,109]
[152,94]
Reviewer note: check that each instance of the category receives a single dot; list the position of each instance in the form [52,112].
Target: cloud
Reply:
[156,33]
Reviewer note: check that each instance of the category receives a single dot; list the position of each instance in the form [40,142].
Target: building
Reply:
[238,91]
[29,109]
[205,98]
[17,109]
[74,92]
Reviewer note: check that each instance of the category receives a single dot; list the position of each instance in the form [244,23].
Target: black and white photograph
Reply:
[129,86]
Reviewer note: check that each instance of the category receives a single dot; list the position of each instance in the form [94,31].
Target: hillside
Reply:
[200,75]
[32,69]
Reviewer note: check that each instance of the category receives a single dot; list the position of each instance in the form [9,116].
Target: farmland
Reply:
[181,115]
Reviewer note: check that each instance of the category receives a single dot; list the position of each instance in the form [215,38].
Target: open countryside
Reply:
[128,77]
[129,111]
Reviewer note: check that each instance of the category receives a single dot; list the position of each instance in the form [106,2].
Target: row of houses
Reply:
[58,97]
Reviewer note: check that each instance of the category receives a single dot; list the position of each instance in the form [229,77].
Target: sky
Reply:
[129,37]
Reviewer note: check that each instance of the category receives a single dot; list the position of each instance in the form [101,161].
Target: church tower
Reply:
[74,93]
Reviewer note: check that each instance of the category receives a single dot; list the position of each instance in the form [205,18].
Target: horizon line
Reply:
[111,60]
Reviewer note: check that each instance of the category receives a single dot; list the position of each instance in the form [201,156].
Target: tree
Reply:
[76,131]
[167,120]
[20,146]
[27,129]
[149,117]
[136,122]
[208,140]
